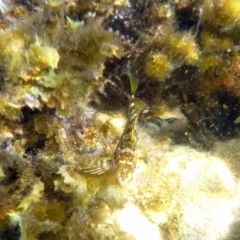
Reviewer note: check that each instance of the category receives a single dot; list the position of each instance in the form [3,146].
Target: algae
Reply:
[64,95]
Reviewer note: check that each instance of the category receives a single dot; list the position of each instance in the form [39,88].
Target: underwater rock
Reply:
[64,97]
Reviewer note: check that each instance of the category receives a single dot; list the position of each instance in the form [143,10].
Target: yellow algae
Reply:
[224,13]
[74,25]
[158,66]
[12,42]
[214,43]
[42,56]
[10,110]
[55,3]
[71,181]
[2,174]
[91,45]
[210,62]
[182,46]
[34,196]
[208,77]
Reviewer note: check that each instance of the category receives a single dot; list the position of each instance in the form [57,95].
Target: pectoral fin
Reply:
[94,166]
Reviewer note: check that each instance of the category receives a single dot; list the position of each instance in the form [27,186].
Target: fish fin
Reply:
[139,105]
[140,176]
[133,83]
[98,167]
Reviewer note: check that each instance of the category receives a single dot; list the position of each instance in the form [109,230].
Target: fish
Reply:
[124,159]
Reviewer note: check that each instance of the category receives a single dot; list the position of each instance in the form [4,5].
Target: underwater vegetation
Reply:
[119,119]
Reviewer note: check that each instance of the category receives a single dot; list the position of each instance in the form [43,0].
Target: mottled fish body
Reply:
[124,159]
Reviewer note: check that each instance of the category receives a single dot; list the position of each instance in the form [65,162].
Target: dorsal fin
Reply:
[94,166]
[133,83]
[139,105]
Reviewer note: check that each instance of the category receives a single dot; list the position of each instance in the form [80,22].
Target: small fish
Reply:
[124,159]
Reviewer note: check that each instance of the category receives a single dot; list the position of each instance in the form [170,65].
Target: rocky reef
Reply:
[64,98]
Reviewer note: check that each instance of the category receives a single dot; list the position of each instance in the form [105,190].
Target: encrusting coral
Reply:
[64,100]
